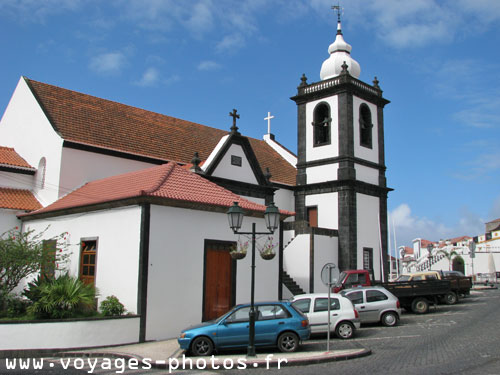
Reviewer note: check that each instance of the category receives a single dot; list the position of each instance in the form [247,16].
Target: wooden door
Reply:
[218,282]
[312,216]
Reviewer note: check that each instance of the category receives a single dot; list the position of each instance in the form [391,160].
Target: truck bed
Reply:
[420,288]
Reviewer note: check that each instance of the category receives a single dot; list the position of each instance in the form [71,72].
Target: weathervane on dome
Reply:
[338,9]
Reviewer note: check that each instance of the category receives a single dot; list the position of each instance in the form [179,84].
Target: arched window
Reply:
[40,174]
[365,126]
[321,124]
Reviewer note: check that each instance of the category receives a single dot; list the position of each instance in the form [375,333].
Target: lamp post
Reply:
[429,256]
[272,218]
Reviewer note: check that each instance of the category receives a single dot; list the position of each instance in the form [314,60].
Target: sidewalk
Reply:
[167,355]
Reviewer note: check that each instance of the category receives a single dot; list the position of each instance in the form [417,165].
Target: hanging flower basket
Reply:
[267,251]
[268,255]
[238,254]
[239,250]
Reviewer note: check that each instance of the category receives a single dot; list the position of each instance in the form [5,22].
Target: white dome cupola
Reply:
[340,51]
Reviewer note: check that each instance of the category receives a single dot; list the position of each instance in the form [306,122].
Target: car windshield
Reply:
[403,278]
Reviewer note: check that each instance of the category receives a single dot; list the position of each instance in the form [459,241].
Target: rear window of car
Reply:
[375,296]
[303,305]
[321,304]
[355,297]
[268,312]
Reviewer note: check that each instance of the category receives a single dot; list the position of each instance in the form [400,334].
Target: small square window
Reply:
[236,160]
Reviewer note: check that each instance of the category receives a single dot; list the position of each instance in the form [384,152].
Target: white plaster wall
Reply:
[296,260]
[118,232]
[366,153]
[368,230]
[16,180]
[79,167]
[25,128]
[285,154]
[327,151]
[176,260]
[284,199]
[366,174]
[328,213]
[8,220]
[66,335]
[322,173]
[326,250]
[233,172]
[214,152]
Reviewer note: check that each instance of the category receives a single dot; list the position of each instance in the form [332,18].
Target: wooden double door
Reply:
[219,280]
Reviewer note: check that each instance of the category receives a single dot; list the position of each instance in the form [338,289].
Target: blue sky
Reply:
[437,61]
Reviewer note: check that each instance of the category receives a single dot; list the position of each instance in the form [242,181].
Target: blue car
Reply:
[276,324]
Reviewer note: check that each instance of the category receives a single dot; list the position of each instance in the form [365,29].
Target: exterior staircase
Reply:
[429,262]
[290,283]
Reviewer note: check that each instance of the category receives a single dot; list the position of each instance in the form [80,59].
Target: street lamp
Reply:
[429,256]
[272,218]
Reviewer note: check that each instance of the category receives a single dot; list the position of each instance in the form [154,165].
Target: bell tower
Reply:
[341,161]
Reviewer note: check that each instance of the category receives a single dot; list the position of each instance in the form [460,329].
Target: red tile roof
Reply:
[408,250]
[169,182]
[460,239]
[102,123]
[18,199]
[9,157]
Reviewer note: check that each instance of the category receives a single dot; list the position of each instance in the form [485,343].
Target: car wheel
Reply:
[288,342]
[202,346]
[450,298]
[420,306]
[389,319]
[344,330]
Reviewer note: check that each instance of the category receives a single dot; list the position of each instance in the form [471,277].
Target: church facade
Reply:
[143,196]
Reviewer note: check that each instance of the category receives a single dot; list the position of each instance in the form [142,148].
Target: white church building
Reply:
[143,196]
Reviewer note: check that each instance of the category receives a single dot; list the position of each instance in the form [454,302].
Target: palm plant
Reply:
[63,297]
[448,255]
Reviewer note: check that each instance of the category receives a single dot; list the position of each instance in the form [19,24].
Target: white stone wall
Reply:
[296,260]
[70,334]
[118,236]
[327,203]
[226,170]
[368,229]
[326,250]
[370,154]
[25,128]
[176,264]
[327,151]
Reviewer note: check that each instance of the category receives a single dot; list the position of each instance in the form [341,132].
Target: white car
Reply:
[344,319]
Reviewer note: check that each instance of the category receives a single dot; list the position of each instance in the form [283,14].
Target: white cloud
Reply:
[149,78]
[37,10]
[230,43]
[208,65]
[108,63]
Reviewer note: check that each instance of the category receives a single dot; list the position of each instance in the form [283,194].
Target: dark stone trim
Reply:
[142,288]
[226,245]
[280,262]
[244,188]
[115,153]
[347,229]
[132,202]
[18,170]
[349,84]
[311,263]
[384,235]
[346,169]
[336,186]
[302,227]
[340,159]
[67,320]
[381,145]
[242,141]
[301,144]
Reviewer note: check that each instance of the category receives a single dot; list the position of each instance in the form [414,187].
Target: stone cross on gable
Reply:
[268,118]
[234,115]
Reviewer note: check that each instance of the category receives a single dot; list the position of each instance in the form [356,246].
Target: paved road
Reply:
[459,339]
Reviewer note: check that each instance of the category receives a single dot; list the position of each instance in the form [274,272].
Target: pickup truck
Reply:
[414,296]
[460,285]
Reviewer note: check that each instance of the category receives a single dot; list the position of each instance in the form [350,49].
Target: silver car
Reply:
[375,304]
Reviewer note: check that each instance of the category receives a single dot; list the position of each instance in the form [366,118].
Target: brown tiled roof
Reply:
[18,199]
[168,181]
[9,157]
[102,123]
